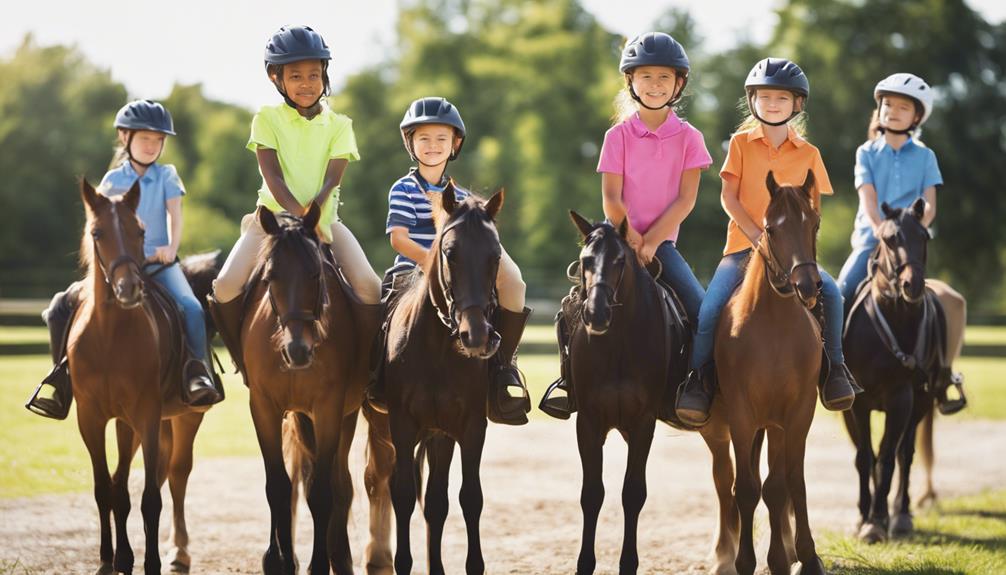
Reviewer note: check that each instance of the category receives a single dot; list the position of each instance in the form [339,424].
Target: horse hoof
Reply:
[872,533]
[105,569]
[902,526]
[814,568]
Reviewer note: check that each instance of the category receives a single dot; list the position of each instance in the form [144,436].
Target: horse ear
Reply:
[919,208]
[88,194]
[132,197]
[495,203]
[267,220]
[889,212]
[771,184]
[581,223]
[312,216]
[447,200]
[809,183]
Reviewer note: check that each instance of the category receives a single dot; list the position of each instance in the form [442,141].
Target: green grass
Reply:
[963,536]
[17,334]
[985,335]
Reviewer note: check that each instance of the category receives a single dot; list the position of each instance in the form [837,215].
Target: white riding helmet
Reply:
[909,85]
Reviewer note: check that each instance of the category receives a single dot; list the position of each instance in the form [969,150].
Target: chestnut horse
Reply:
[768,361]
[623,350]
[437,376]
[305,342]
[124,356]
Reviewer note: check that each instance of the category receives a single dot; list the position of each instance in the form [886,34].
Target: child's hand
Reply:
[164,255]
[647,251]
[634,238]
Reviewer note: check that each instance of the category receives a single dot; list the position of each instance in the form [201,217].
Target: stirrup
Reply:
[55,407]
[517,408]
[557,407]
[952,406]
[205,394]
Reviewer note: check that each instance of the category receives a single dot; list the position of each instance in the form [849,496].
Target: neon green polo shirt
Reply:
[304,148]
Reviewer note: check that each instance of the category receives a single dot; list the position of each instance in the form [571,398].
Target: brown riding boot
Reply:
[53,397]
[228,318]
[503,373]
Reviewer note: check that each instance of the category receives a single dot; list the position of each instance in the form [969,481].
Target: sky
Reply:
[149,46]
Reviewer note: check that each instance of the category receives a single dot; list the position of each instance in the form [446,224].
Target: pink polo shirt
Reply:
[651,164]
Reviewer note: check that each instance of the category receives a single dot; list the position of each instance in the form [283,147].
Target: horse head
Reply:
[603,262]
[116,241]
[465,260]
[789,244]
[294,274]
[901,256]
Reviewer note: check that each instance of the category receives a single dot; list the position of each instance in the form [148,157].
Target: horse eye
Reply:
[588,262]
[96,234]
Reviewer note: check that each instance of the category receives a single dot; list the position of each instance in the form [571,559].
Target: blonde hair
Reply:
[798,123]
[626,106]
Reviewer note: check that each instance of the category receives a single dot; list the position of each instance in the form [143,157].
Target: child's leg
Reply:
[853,272]
[509,284]
[353,261]
[831,298]
[172,279]
[677,273]
[241,262]
[729,274]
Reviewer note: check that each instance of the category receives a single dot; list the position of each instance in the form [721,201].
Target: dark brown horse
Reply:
[439,341]
[895,294]
[623,351]
[305,344]
[125,365]
[768,361]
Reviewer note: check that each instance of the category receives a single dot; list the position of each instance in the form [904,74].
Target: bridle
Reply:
[447,312]
[321,301]
[610,291]
[778,278]
[124,259]
[892,271]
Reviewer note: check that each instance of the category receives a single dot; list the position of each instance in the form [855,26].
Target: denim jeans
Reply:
[854,271]
[729,274]
[834,316]
[677,273]
[172,279]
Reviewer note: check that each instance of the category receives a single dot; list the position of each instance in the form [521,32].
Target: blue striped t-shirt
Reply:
[410,208]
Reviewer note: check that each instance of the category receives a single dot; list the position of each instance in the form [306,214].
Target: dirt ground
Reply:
[531,521]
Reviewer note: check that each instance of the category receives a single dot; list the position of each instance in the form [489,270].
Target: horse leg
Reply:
[795,437]
[376,479]
[268,419]
[472,442]
[439,453]
[590,442]
[717,437]
[898,414]
[150,502]
[902,524]
[748,491]
[183,435]
[924,445]
[857,422]
[403,487]
[340,555]
[127,443]
[634,491]
[92,431]
[776,497]
[321,488]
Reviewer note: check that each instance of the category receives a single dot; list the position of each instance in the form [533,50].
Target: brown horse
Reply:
[768,361]
[439,341]
[305,343]
[895,382]
[623,350]
[124,365]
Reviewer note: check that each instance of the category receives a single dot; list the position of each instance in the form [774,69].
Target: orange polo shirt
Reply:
[750,158]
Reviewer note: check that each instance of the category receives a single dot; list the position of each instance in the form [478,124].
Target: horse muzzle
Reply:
[477,337]
[128,294]
[297,355]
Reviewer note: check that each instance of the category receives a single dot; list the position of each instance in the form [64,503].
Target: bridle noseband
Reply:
[124,259]
[448,317]
[892,272]
[610,291]
[780,280]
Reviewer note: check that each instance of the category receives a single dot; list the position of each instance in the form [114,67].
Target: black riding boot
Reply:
[839,389]
[228,318]
[503,372]
[695,396]
[197,384]
[945,379]
[53,397]
[560,407]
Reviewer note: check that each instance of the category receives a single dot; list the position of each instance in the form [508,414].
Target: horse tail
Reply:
[298,449]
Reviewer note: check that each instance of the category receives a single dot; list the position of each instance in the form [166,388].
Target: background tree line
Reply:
[534,82]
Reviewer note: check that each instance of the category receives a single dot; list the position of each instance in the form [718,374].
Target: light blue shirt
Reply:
[899,176]
[159,184]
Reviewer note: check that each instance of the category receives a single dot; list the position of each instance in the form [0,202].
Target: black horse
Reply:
[892,313]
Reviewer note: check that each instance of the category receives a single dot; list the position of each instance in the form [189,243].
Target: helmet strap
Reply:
[129,152]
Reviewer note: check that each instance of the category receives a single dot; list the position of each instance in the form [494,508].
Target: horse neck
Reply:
[756,294]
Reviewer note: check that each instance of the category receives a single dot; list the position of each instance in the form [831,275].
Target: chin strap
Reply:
[129,152]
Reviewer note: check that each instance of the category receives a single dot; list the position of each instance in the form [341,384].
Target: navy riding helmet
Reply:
[432,110]
[655,49]
[145,115]
[777,74]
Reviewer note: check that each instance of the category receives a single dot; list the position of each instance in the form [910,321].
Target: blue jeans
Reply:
[728,276]
[854,271]
[173,281]
[678,274]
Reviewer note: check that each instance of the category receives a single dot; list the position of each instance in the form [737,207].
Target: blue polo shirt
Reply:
[409,207]
[899,176]
[159,184]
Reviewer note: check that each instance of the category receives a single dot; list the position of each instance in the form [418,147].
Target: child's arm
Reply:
[868,199]
[674,215]
[408,247]
[930,214]
[167,254]
[731,201]
[272,173]
[333,177]
[614,208]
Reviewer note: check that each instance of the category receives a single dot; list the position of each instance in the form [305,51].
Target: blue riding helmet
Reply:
[779,74]
[432,110]
[295,43]
[145,115]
